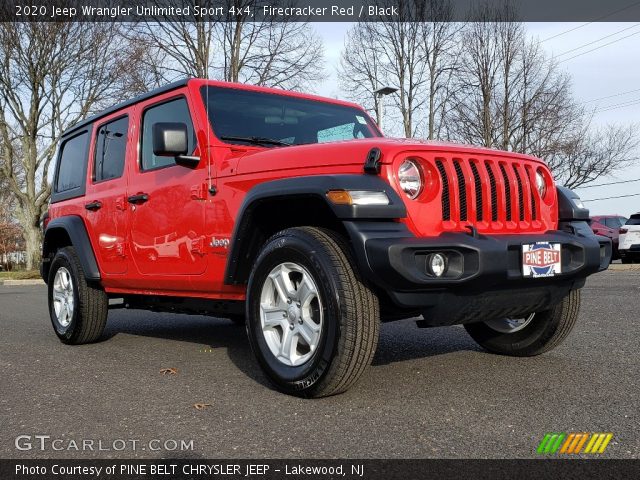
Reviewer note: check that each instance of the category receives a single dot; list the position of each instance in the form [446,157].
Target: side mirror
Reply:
[170,140]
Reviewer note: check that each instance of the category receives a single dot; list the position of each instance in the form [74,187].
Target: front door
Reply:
[166,201]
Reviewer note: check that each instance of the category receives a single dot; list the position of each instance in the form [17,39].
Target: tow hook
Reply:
[472,231]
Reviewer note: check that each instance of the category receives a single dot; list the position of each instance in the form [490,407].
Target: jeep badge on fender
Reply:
[292,214]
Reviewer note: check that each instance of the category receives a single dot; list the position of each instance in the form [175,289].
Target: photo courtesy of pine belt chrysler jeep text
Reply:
[293,215]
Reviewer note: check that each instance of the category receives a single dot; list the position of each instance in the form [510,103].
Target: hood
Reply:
[350,152]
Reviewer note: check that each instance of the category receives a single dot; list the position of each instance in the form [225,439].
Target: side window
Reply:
[71,169]
[111,148]
[172,111]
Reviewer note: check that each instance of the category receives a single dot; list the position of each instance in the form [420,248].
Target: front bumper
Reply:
[486,279]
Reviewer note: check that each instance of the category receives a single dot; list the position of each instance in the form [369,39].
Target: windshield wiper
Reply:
[256,140]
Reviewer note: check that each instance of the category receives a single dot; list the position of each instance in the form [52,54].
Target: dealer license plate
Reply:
[541,259]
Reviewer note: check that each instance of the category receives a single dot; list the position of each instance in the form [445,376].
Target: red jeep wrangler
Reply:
[293,214]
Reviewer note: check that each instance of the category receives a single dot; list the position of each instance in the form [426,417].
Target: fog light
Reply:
[437,264]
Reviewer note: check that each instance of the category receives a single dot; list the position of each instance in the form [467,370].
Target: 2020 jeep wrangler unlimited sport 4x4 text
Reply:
[293,215]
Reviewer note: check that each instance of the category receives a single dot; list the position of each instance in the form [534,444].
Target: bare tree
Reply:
[415,53]
[406,66]
[175,49]
[441,52]
[239,49]
[360,73]
[509,95]
[473,120]
[51,75]
[589,154]
[10,233]
[396,58]
[287,55]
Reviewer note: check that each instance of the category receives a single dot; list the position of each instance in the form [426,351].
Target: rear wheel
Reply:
[312,323]
[530,335]
[627,260]
[78,310]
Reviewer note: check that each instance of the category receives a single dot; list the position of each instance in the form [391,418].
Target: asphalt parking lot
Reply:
[429,393]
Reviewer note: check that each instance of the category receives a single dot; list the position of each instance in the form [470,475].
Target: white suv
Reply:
[629,246]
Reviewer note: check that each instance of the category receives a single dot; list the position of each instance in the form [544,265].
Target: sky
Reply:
[605,71]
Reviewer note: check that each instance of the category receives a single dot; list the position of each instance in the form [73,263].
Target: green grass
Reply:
[20,275]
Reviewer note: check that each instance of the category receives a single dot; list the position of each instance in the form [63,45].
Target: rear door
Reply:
[105,200]
[166,201]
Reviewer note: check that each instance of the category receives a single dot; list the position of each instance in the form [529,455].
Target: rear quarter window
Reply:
[634,220]
[72,167]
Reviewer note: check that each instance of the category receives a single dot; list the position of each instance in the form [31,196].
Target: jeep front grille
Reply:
[507,191]
[488,191]
[446,207]
[462,188]
[477,183]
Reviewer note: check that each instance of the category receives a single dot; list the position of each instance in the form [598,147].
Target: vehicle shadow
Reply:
[402,341]
[209,332]
[399,341]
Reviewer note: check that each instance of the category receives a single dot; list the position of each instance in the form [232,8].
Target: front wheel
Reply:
[312,323]
[530,335]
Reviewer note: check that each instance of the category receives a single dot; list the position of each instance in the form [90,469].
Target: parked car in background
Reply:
[609,226]
[630,239]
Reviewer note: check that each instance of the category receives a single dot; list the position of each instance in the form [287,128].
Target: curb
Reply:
[622,267]
[10,283]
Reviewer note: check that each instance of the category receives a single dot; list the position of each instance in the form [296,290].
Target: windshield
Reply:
[266,119]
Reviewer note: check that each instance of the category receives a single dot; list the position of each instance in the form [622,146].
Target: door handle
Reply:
[139,198]
[93,206]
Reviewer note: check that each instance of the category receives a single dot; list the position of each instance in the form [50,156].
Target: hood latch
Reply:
[372,162]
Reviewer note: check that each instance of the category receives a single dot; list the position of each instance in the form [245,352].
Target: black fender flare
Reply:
[568,207]
[306,186]
[77,233]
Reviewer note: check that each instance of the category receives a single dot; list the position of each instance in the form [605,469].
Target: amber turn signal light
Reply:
[357,197]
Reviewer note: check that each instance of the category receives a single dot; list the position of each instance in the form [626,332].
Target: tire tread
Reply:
[93,304]
[358,307]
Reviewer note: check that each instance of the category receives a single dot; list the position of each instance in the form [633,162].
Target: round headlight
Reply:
[410,178]
[541,184]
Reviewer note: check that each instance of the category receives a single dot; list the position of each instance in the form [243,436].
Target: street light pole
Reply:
[378,94]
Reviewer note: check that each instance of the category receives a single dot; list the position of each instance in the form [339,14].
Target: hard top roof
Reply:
[199,82]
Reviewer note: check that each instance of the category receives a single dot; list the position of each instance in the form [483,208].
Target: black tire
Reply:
[627,260]
[546,331]
[90,302]
[349,333]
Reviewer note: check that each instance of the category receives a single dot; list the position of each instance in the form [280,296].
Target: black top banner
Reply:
[319,10]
